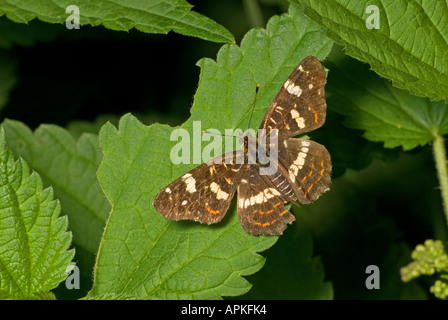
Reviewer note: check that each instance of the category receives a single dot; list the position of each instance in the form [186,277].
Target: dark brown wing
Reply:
[308,167]
[204,193]
[261,207]
[299,106]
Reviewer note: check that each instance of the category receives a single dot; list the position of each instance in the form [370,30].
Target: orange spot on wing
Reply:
[266,223]
[322,171]
[263,212]
[316,117]
[283,212]
[211,211]
[308,190]
[321,175]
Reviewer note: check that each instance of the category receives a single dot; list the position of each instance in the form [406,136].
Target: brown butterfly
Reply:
[303,169]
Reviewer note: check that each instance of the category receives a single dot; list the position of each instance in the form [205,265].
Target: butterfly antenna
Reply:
[253,106]
[215,133]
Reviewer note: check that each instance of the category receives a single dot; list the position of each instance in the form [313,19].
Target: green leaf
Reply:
[69,166]
[386,114]
[33,237]
[8,76]
[266,56]
[409,47]
[291,272]
[348,148]
[78,127]
[115,297]
[152,16]
[144,254]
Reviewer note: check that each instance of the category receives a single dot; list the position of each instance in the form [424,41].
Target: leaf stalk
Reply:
[253,13]
[441,166]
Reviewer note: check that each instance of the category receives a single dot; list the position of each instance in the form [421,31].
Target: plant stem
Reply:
[253,13]
[441,165]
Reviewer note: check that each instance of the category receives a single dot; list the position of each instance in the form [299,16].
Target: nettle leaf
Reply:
[409,47]
[34,240]
[70,167]
[151,16]
[115,297]
[386,114]
[144,254]
[348,148]
[78,127]
[267,57]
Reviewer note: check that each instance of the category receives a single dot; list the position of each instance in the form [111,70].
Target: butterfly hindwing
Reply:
[204,193]
[308,166]
[261,207]
[299,106]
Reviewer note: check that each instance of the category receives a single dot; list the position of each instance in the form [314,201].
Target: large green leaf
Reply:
[152,16]
[267,57]
[348,148]
[386,114]
[70,167]
[409,47]
[144,254]
[34,241]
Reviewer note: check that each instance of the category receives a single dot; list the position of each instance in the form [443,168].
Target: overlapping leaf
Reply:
[409,47]
[69,166]
[34,240]
[267,57]
[386,114]
[152,16]
[141,252]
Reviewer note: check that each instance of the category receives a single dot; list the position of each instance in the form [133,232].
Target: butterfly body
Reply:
[302,170]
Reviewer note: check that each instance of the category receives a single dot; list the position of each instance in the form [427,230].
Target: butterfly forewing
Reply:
[204,193]
[303,167]
[299,106]
[261,207]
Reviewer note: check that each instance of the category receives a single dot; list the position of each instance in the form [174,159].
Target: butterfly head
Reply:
[247,139]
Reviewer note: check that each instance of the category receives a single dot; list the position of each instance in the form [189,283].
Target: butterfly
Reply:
[303,168]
